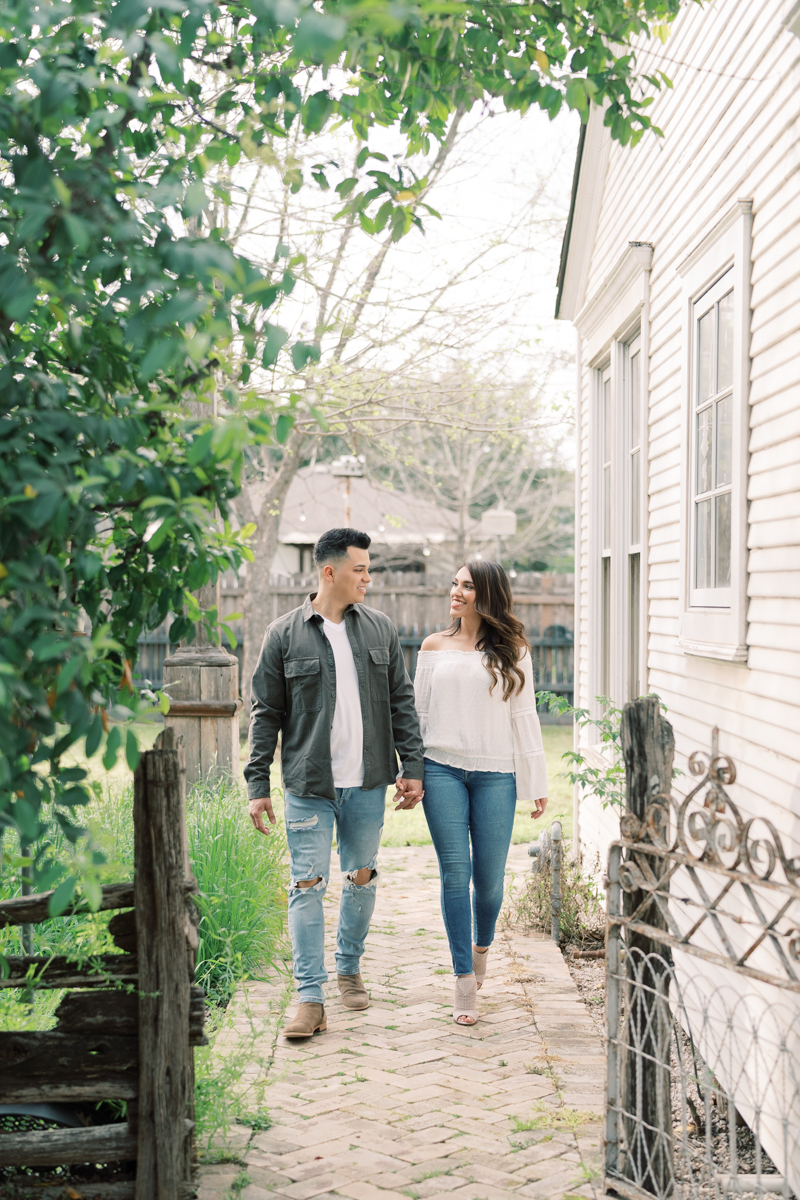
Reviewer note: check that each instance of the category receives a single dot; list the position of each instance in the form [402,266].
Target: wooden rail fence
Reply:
[128,1029]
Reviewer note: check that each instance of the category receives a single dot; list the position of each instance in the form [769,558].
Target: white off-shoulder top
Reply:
[463,725]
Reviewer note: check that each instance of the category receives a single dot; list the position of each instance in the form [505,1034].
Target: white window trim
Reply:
[612,317]
[718,633]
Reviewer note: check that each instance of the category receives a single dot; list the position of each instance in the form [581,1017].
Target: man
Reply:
[332,681]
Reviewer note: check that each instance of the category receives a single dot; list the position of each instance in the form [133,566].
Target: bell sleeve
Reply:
[529,761]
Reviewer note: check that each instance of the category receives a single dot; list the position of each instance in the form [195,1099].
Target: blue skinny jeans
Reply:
[358,818]
[462,807]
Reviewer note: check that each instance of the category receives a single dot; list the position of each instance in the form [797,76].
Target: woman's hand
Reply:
[541,805]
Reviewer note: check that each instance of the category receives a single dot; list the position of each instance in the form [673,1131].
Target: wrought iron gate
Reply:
[703,989]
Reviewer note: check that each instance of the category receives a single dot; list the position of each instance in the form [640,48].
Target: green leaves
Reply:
[123,308]
[302,353]
[274,339]
[113,743]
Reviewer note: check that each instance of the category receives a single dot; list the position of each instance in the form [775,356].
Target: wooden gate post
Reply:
[203,684]
[162,932]
[648,748]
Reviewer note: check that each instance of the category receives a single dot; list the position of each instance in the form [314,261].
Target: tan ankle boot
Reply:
[309,1019]
[354,994]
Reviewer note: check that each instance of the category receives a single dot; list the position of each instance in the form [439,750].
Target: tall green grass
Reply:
[242,879]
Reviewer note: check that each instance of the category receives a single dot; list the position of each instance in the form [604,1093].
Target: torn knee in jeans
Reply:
[304,885]
[363,877]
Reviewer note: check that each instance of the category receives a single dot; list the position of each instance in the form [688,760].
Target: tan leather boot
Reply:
[308,1020]
[354,994]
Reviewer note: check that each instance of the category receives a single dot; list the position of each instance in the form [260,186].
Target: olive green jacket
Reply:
[294,695]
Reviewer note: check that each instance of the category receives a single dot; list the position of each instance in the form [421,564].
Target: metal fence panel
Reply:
[704,1028]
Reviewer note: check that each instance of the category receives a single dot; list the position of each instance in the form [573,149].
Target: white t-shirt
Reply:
[347,731]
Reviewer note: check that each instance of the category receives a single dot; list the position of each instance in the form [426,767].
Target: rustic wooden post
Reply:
[203,684]
[162,929]
[648,748]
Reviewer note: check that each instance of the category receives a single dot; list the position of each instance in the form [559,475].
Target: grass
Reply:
[411,828]
[242,889]
[554,1118]
[242,900]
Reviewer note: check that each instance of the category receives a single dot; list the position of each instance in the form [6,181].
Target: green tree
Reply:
[125,318]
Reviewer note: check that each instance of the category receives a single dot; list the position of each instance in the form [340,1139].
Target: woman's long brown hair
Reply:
[502,634]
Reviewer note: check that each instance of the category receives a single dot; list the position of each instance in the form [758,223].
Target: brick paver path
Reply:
[398,1102]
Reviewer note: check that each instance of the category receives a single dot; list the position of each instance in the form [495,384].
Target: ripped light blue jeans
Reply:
[358,818]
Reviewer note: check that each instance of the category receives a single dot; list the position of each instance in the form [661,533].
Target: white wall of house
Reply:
[705,220]
[654,226]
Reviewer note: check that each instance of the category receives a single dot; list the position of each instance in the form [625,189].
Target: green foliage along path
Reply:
[131,335]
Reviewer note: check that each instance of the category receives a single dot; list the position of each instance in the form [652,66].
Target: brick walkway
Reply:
[398,1102]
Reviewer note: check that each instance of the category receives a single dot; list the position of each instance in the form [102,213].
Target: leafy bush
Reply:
[583,918]
[607,783]
[242,881]
[126,318]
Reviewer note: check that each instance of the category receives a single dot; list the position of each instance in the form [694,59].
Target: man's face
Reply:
[350,576]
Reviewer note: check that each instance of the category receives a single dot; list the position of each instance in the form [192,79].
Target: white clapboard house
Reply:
[680,272]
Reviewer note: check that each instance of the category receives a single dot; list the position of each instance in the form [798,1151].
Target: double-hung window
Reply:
[614,330]
[622,520]
[712,428]
[716,295]
[606,526]
[634,519]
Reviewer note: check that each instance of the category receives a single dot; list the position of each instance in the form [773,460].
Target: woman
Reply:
[483,751]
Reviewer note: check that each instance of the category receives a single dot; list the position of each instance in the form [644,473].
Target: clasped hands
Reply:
[409,793]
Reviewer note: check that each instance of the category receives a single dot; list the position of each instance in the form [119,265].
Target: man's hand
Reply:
[541,805]
[257,809]
[409,793]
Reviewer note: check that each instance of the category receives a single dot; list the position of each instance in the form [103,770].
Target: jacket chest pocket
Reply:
[379,674]
[304,681]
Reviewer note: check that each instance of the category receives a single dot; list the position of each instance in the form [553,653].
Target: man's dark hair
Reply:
[333,544]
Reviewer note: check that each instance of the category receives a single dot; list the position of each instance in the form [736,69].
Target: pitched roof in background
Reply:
[390,518]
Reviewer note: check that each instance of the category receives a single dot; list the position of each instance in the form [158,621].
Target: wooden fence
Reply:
[418,605]
[127,1027]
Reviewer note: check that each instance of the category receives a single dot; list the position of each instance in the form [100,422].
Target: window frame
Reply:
[714,620]
[611,318]
[634,407]
[708,597]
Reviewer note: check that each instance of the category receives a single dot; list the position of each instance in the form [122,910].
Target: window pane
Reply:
[704,420]
[605,628]
[634,687]
[607,508]
[607,421]
[703,544]
[705,356]
[725,343]
[635,498]
[724,430]
[723,547]
[635,367]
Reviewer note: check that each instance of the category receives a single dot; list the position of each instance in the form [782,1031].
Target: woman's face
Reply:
[462,594]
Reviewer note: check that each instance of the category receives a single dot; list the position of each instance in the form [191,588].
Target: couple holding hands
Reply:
[331,681]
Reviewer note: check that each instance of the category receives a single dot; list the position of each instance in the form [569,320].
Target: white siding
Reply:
[730,132]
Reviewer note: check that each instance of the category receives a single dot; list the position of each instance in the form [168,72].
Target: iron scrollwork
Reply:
[693,840]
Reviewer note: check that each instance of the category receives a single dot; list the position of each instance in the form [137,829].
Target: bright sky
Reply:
[503,200]
[503,164]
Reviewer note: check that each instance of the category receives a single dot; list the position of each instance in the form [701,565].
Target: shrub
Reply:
[583,918]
